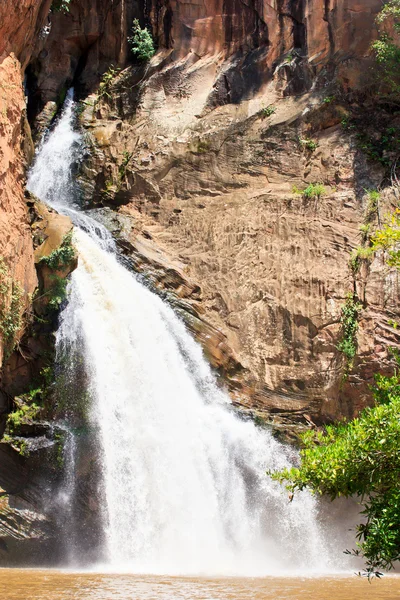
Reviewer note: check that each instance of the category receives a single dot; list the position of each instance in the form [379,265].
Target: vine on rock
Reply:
[11,305]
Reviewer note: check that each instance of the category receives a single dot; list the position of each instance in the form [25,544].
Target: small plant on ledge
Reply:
[312,191]
[310,145]
[268,111]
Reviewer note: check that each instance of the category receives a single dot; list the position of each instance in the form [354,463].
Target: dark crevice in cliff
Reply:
[34,104]
[297,10]
[242,18]
[327,15]
[167,26]
[78,82]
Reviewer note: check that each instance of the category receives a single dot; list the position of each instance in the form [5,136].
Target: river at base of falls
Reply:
[21,584]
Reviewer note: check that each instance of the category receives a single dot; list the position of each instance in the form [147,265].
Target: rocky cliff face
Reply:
[211,217]
[199,152]
[20,25]
[80,46]
[234,47]
[251,39]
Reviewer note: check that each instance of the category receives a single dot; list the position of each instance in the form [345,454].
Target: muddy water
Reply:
[20,584]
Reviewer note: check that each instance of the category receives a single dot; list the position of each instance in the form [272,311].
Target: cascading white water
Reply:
[185,489]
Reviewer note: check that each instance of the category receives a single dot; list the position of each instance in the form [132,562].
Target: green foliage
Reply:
[312,191]
[310,145]
[329,99]
[373,204]
[60,441]
[260,421]
[349,326]
[141,42]
[359,254]
[364,230]
[106,81]
[61,256]
[346,123]
[360,458]
[126,157]
[373,196]
[381,148]
[386,48]
[19,444]
[58,291]
[388,238]
[61,6]
[11,308]
[24,413]
[268,111]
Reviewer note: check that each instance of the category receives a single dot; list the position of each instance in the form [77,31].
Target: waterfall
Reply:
[184,489]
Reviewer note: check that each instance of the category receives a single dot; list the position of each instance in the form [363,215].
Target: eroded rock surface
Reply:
[20,24]
[210,200]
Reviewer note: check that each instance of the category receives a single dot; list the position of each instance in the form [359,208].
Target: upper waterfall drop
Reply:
[184,483]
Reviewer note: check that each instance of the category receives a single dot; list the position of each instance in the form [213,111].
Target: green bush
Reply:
[308,144]
[11,306]
[61,256]
[386,48]
[60,6]
[349,327]
[141,42]
[58,291]
[387,238]
[24,413]
[362,459]
[364,230]
[106,81]
[313,190]
[359,254]
[268,111]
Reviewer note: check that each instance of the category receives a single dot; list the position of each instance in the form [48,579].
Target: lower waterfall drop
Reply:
[183,477]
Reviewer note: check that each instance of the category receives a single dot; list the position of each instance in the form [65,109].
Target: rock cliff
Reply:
[20,26]
[200,151]
[209,214]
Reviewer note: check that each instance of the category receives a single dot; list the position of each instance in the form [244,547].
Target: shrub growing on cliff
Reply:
[60,6]
[141,42]
[268,111]
[361,459]
[308,144]
[11,304]
[387,238]
[349,325]
[312,191]
[61,256]
[386,48]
